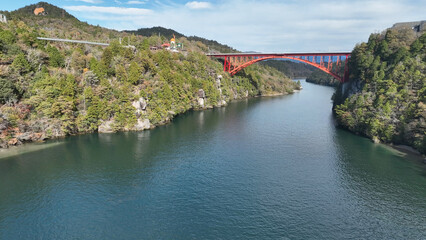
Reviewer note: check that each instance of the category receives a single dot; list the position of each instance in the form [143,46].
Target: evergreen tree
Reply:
[8,91]
[56,59]
[20,64]
[134,73]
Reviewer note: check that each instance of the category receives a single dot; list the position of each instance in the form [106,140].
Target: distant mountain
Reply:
[148,32]
[50,10]
[168,33]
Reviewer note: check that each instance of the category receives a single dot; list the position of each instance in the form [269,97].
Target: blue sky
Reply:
[267,26]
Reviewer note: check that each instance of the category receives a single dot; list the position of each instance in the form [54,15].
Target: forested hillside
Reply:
[386,93]
[50,89]
[166,33]
[322,78]
[290,69]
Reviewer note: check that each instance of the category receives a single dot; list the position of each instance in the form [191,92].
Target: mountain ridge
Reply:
[168,33]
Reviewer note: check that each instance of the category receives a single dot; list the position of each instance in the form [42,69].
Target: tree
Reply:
[20,64]
[8,91]
[67,85]
[78,63]
[145,44]
[384,50]
[400,55]
[107,57]
[115,47]
[7,36]
[91,78]
[120,73]
[56,59]
[416,47]
[134,73]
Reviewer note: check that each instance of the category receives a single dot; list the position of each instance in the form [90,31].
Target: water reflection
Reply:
[27,148]
[380,183]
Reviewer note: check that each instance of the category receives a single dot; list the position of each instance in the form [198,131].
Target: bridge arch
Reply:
[235,62]
[239,68]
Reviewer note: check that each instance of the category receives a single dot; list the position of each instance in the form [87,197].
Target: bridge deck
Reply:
[276,54]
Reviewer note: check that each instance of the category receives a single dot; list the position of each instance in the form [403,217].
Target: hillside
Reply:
[213,45]
[291,69]
[50,89]
[385,98]
[322,78]
[51,11]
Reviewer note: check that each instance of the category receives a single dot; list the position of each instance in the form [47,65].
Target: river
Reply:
[263,168]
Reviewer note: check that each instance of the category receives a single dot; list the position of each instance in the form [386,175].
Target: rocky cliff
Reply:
[386,93]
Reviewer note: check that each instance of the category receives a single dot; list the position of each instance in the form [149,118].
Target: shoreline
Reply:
[19,148]
[30,146]
[405,149]
[408,150]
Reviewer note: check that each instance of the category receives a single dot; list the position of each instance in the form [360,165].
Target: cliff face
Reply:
[50,89]
[386,93]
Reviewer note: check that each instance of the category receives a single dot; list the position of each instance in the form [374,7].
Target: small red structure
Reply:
[165,45]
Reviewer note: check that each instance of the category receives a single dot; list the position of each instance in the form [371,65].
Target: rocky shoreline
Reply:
[21,136]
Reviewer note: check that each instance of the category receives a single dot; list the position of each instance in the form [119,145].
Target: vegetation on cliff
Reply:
[50,89]
[386,93]
[322,78]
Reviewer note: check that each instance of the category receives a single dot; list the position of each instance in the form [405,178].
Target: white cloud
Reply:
[269,25]
[118,2]
[91,1]
[198,5]
[136,2]
[109,10]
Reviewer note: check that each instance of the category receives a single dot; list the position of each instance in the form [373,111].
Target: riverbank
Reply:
[409,151]
[384,97]
[52,89]
[22,138]
[405,149]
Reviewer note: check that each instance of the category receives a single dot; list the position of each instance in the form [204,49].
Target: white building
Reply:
[3,18]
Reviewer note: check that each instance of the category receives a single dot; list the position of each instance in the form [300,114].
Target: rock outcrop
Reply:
[106,126]
[142,125]
[140,106]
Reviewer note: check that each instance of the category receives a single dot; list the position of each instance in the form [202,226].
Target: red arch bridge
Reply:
[335,64]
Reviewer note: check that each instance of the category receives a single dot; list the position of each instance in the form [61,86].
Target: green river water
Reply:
[263,168]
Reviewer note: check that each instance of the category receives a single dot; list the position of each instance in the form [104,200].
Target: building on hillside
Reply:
[3,18]
[418,27]
[39,11]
